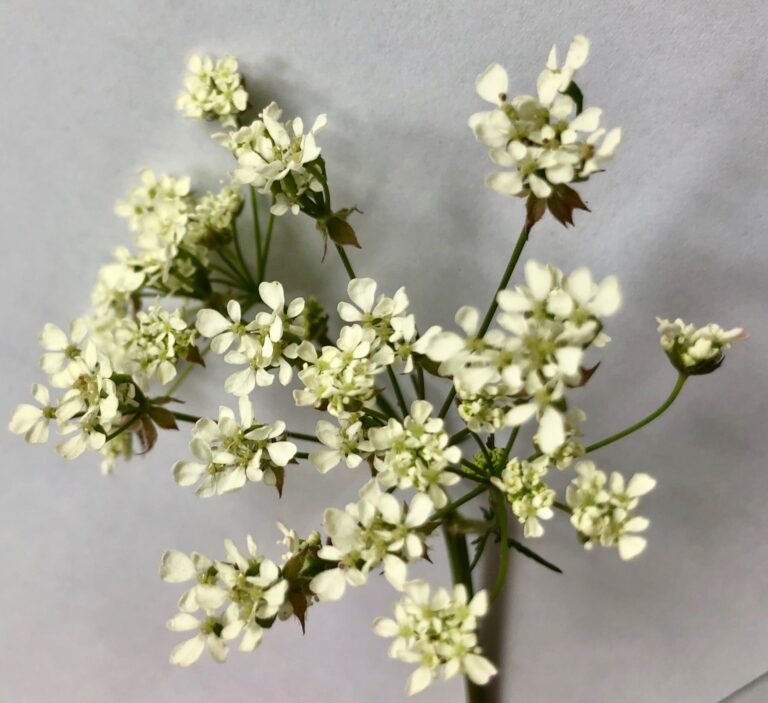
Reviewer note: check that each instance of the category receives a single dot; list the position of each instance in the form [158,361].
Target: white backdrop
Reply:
[88,91]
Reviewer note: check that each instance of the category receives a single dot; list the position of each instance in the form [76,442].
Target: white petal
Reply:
[188,652]
[419,680]
[630,546]
[272,294]
[479,669]
[281,452]
[329,585]
[640,484]
[176,567]
[492,84]
[211,322]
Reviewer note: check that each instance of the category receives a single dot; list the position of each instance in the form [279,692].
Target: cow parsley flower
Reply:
[373,531]
[214,89]
[211,221]
[269,341]
[235,595]
[602,508]
[155,342]
[32,420]
[543,141]
[415,453]
[347,442]
[522,368]
[231,452]
[693,350]
[60,348]
[273,157]
[341,377]
[530,498]
[386,316]
[438,632]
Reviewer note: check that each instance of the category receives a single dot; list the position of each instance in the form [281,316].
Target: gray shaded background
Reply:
[680,215]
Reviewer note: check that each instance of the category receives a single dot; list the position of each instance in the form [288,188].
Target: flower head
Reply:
[695,351]
[213,90]
[438,632]
[375,530]
[602,508]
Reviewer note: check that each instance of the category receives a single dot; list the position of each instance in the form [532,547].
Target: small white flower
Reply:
[269,341]
[346,442]
[695,350]
[230,453]
[214,89]
[415,453]
[61,349]
[531,499]
[221,331]
[373,531]
[437,632]
[32,420]
[386,316]
[272,152]
[602,508]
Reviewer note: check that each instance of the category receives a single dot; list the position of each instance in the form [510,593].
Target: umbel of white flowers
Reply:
[118,370]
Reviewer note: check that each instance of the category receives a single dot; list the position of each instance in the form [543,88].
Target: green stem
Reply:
[440,514]
[501,517]
[470,477]
[240,256]
[301,455]
[345,260]
[183,375]
[267,242]
[518,250]
[121,429]
[256,225]
[185,417]
[681,379]
[459,437]
[302,435]
[508,447]
[225,257]
[398,391]
[386,406]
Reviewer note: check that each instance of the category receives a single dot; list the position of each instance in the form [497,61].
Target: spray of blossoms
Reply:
[428,421]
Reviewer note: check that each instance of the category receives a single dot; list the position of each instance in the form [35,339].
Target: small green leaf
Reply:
[518,546]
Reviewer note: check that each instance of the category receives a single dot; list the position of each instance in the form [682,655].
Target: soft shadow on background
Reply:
[680,216]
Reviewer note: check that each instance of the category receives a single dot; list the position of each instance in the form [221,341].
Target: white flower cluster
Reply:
[152,343]
[89,407]
[522,368]
[267,342]
[158,212]
[541,139]
[602,508]
[235,596]
[385,316]
[233,452]
[374,531]
[341,378]
[273,157]
[530,498]
[211,221]
[415,453]
[695,350]
[214,89]
[438,632]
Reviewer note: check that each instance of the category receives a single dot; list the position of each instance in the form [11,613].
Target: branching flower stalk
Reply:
[193,290]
